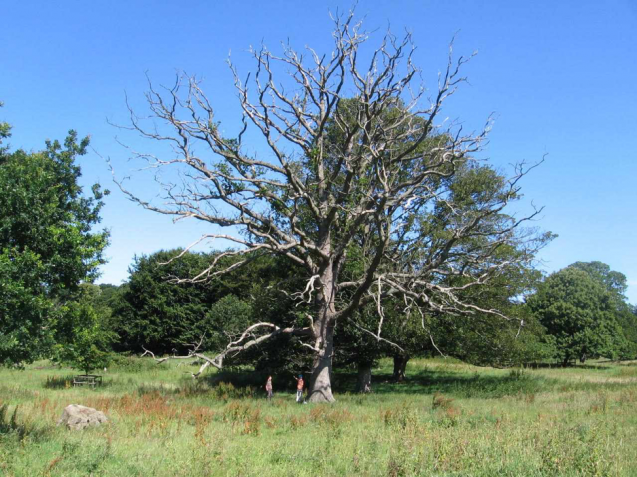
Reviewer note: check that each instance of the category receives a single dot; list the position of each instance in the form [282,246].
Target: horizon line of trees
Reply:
[577,313]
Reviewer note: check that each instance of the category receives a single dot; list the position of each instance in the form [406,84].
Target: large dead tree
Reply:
[357,161]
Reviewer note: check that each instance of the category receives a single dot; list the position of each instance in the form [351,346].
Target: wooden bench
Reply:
[87,380]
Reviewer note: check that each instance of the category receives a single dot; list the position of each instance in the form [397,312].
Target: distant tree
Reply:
[83,341]
[107,301]
[161,313]
[578,312]
[627,320]
[158,314]
[47,242]
[616,284]
[274,280]
[483,339]
[225,319]
[106,295]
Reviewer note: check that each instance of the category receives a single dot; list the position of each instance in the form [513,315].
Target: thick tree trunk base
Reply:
[364,384]
[400,364]
[321,383]
[321,394]
[317,397]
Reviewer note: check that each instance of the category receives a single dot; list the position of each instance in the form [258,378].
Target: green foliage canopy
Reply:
[47,242]
[578,312]
[166,317]
[616,284]
[83,341]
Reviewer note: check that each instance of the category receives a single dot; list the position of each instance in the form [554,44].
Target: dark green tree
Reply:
[578,312]
[157,313]
[83,338]
[162,313]
[616,284]
[47,242]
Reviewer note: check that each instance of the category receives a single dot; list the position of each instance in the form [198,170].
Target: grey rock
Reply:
[77,417]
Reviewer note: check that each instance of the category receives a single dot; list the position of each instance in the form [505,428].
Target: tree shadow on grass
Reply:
[458,385]
[478,386]
[66,382]
[245,378]
[425,382]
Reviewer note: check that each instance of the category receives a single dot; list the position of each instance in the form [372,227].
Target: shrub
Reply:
[402,416]
[440,401]
[227,391]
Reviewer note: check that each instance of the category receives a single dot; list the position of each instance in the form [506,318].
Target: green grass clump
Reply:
[446,419]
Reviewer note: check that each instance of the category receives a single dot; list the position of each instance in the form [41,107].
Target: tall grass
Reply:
[447,419]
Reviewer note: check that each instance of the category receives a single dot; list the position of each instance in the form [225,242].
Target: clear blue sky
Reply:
[560,76]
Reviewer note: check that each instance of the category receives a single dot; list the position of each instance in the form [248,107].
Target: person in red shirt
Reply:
[299,388]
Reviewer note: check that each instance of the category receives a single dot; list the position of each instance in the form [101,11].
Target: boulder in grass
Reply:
[77,417]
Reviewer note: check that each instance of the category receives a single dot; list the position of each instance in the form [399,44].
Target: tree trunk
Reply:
[364,384]
[400,364]
[321,381]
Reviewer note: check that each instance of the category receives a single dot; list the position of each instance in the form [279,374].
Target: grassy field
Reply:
[447,419]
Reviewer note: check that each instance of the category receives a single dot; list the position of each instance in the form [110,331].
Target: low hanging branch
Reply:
[234,347]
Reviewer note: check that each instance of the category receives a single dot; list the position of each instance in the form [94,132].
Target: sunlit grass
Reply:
[448,418]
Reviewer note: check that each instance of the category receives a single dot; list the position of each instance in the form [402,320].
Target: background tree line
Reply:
[577,313]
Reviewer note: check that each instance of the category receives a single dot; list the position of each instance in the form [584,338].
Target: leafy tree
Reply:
[47,246]
[227,318]
[319,197]
[616,284]
[578,312]
[27,315]
[485,339]
[159,312]
[481,337]
[43,211]
[84,342]
[107,302]
[627,320]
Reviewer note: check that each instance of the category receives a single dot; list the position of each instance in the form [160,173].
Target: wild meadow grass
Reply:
[447,419]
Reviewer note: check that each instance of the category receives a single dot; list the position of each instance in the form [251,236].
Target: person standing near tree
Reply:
[300,384]
[268,387]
